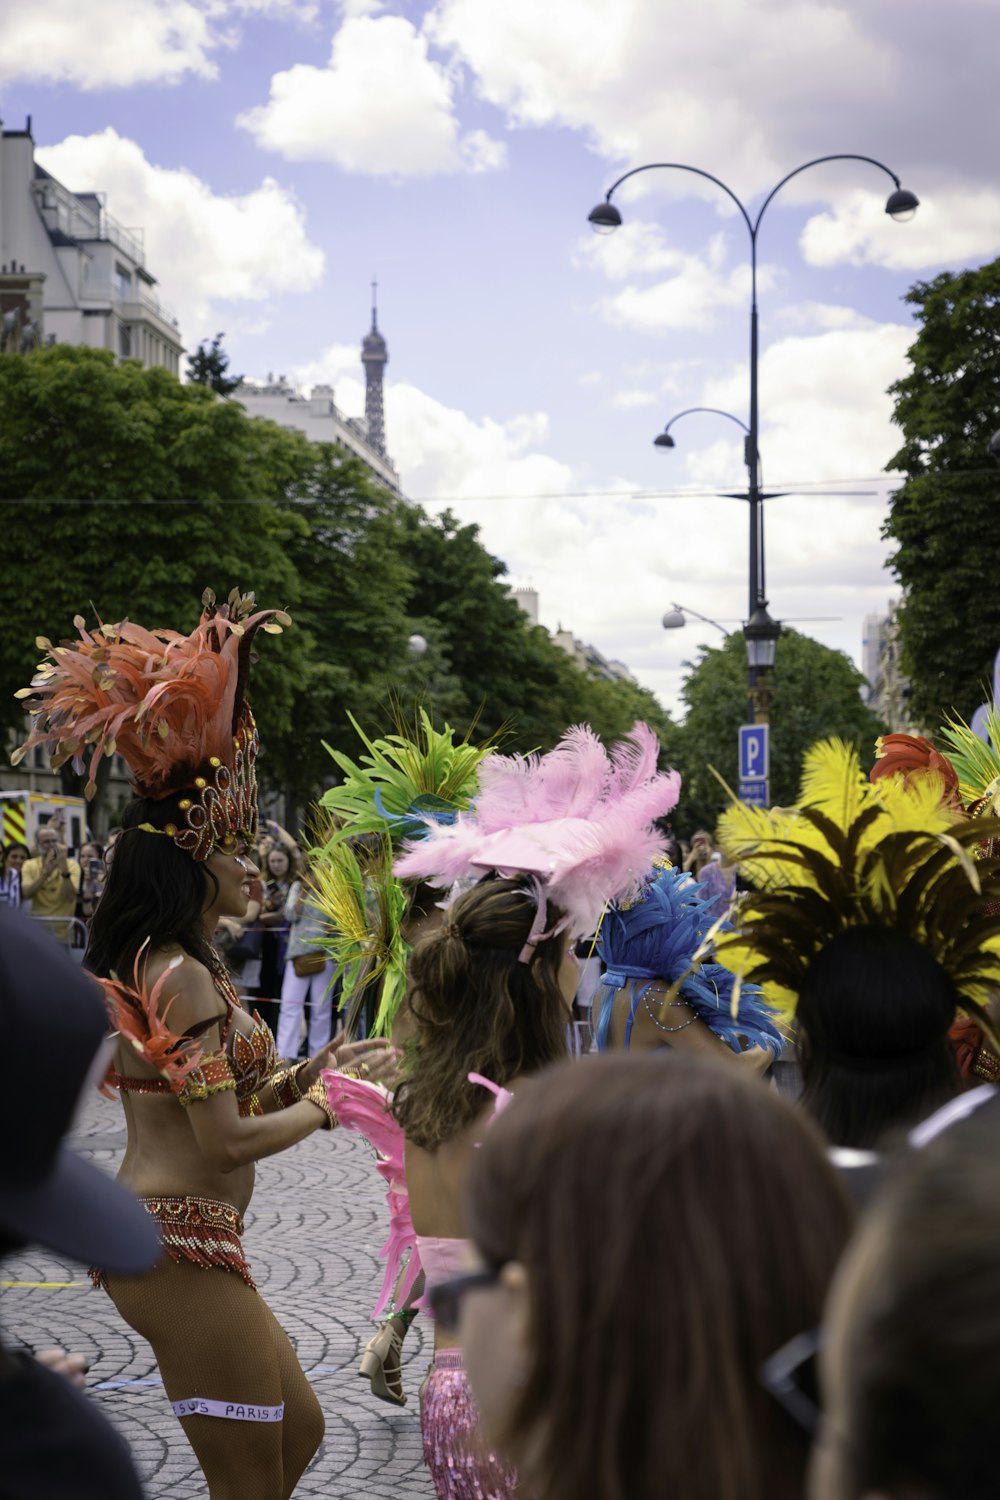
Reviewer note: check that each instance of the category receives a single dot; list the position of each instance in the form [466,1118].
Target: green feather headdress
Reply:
[385,797]
[852,853]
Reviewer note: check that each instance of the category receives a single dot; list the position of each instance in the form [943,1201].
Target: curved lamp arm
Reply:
[714,410]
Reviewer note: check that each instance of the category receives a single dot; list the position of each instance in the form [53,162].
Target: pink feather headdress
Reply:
[172,706]
[577,820]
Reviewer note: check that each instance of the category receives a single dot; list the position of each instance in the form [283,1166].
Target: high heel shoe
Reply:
[381,1363]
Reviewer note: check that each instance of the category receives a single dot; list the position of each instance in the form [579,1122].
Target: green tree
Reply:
[943,518]
[128,491]
[124,492]
[817,693]
[208,366]
[508,673]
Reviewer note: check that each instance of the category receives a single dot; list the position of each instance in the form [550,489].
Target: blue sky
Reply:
[280,152]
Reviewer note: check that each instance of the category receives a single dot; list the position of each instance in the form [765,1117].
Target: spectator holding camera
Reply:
[51,880]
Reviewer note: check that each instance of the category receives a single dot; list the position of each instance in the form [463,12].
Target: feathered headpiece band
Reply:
[578,820]
[850,854]
[172,706]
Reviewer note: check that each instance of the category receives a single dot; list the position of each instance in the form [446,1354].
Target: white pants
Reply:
[294,992]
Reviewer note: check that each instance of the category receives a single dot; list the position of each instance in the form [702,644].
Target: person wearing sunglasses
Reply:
[646,1232]
[910,1354]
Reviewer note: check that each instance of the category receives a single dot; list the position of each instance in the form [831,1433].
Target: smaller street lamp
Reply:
[901,205]
[993,448]
[676,618]
[605,218]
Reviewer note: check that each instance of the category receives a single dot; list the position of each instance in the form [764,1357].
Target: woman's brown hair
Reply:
[478,1009]
[921,1359]
[679,1225]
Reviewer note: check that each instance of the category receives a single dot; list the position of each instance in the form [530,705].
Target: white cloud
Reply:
[953,226]
[381,105]
[137,41]
[748,91]
[635,80]
[687,300]
[636,248]
[607,566]
[630,400]
[207,250]
[825,411]
[699,285]
[122,43]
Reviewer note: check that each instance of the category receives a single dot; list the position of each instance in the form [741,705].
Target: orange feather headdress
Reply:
[172,706]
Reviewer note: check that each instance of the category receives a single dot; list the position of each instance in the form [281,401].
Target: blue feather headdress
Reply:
[658,937]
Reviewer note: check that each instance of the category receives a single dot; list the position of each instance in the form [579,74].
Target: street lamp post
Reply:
[761,631]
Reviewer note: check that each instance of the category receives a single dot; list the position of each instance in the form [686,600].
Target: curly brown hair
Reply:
[478,1009]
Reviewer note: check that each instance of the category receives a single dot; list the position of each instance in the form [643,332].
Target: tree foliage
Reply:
[817,693]
[126,492]
[942,519]
[208,366]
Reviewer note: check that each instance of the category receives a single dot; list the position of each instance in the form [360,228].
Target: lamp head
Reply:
[993,448]
[674,619]
[901,205]
[664,440]
[605,218]
[761,633]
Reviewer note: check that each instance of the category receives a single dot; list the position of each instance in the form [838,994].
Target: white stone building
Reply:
[69,272]
[319,418]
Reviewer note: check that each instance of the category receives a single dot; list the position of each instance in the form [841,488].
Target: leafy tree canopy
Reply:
[124,489]
[817,693]
[208,366]
[943,518]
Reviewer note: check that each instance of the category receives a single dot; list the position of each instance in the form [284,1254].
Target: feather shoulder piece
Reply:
[578,819]
[889,854]
[134,1011]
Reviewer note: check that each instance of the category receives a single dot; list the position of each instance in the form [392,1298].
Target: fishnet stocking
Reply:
[214,1337]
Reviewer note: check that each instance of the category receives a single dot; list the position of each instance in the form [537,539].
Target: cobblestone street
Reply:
[313,1233]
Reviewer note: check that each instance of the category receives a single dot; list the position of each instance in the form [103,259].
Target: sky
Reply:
[279,154]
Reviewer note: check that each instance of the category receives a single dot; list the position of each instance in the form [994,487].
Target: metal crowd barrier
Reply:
[69,932]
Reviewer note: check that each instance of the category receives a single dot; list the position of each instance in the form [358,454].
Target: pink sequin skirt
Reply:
[460,1468]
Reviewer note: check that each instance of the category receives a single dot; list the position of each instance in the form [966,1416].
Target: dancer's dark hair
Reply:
[154,890]
[874,1015]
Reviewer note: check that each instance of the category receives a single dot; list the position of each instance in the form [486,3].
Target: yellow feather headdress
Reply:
[852,853]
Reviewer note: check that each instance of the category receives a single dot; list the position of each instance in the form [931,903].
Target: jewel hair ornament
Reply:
[577,820]
[855,853]
[665,934]
[172,706]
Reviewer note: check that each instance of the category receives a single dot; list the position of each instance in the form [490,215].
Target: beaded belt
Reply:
[203,1231]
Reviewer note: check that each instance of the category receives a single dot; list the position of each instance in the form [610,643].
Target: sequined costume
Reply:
[174,707]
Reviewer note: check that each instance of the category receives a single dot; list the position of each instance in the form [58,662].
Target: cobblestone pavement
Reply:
[313,1232]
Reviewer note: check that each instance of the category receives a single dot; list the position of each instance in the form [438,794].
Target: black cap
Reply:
[53,1024]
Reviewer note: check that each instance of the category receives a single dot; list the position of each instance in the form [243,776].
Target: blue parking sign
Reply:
[754,752]
[756,792]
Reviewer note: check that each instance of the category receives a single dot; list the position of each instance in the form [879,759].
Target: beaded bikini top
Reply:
[251,1059]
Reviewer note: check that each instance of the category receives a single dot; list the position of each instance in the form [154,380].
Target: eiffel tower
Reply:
[374,357]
